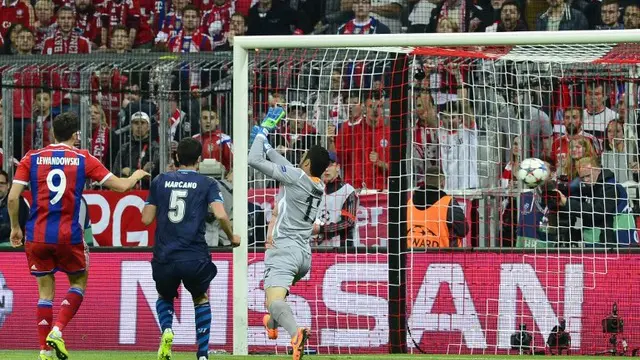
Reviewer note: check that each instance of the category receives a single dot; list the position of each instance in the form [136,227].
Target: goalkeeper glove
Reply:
[272,118]
[270,122]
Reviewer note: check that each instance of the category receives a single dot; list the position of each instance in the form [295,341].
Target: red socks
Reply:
[44,317]
[69,307]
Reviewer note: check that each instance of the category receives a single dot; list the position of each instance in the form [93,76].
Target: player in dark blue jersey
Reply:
[182,200]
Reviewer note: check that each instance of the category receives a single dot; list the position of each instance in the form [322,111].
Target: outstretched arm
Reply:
[286,174]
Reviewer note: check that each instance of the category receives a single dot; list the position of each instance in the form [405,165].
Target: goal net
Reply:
[419,134]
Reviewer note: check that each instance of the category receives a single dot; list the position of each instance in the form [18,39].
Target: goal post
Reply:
[400,170]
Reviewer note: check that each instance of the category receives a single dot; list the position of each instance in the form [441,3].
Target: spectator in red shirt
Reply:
[127,13]
[147,13]
[190,39]
[99,146]
[26,80]
[573,118]
[45,24]
[15,12]
[36,135]
[216,21]
[172,23]
[88,22]
[362,144]
[340,142]
[65,40]
[119,39]
[107,89]
[25,41]
[215,144]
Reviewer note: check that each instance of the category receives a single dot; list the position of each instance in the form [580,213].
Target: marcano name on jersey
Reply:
[181,184]
[66,161]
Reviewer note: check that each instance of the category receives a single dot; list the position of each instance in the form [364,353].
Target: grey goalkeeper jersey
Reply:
[298,200]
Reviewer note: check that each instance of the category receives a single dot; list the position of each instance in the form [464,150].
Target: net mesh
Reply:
[337,99]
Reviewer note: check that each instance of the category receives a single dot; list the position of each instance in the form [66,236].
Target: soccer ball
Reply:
[532,172]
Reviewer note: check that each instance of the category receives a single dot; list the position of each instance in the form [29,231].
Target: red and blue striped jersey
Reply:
[57,175]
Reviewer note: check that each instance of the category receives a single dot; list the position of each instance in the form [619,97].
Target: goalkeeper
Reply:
[289,258]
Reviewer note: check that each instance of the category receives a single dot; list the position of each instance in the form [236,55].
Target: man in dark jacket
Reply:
[603,206]
[141,152]
[561,16]
[272,17]
[425,213]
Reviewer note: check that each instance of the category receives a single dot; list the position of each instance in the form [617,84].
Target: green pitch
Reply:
[124,355]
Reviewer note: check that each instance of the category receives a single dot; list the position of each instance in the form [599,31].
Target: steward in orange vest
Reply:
[434,218]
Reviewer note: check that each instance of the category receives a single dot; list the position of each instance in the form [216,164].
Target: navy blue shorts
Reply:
[195,275]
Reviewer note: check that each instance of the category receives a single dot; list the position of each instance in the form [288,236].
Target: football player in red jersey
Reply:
[54,242]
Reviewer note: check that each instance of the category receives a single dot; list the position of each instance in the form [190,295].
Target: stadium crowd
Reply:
[351,118]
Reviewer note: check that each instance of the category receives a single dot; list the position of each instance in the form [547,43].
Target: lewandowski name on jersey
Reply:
[58,161]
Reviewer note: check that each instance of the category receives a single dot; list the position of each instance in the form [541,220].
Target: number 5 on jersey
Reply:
[177,205]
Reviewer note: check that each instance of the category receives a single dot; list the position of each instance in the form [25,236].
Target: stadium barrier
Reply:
[453,300]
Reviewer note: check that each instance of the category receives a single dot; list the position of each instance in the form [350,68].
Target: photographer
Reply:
[601,203]
[521,340]
[559,339]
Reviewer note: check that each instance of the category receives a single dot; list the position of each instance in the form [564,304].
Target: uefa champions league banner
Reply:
[453,301]
[116,217]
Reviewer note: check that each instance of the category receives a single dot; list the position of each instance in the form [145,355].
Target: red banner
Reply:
[457,302]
